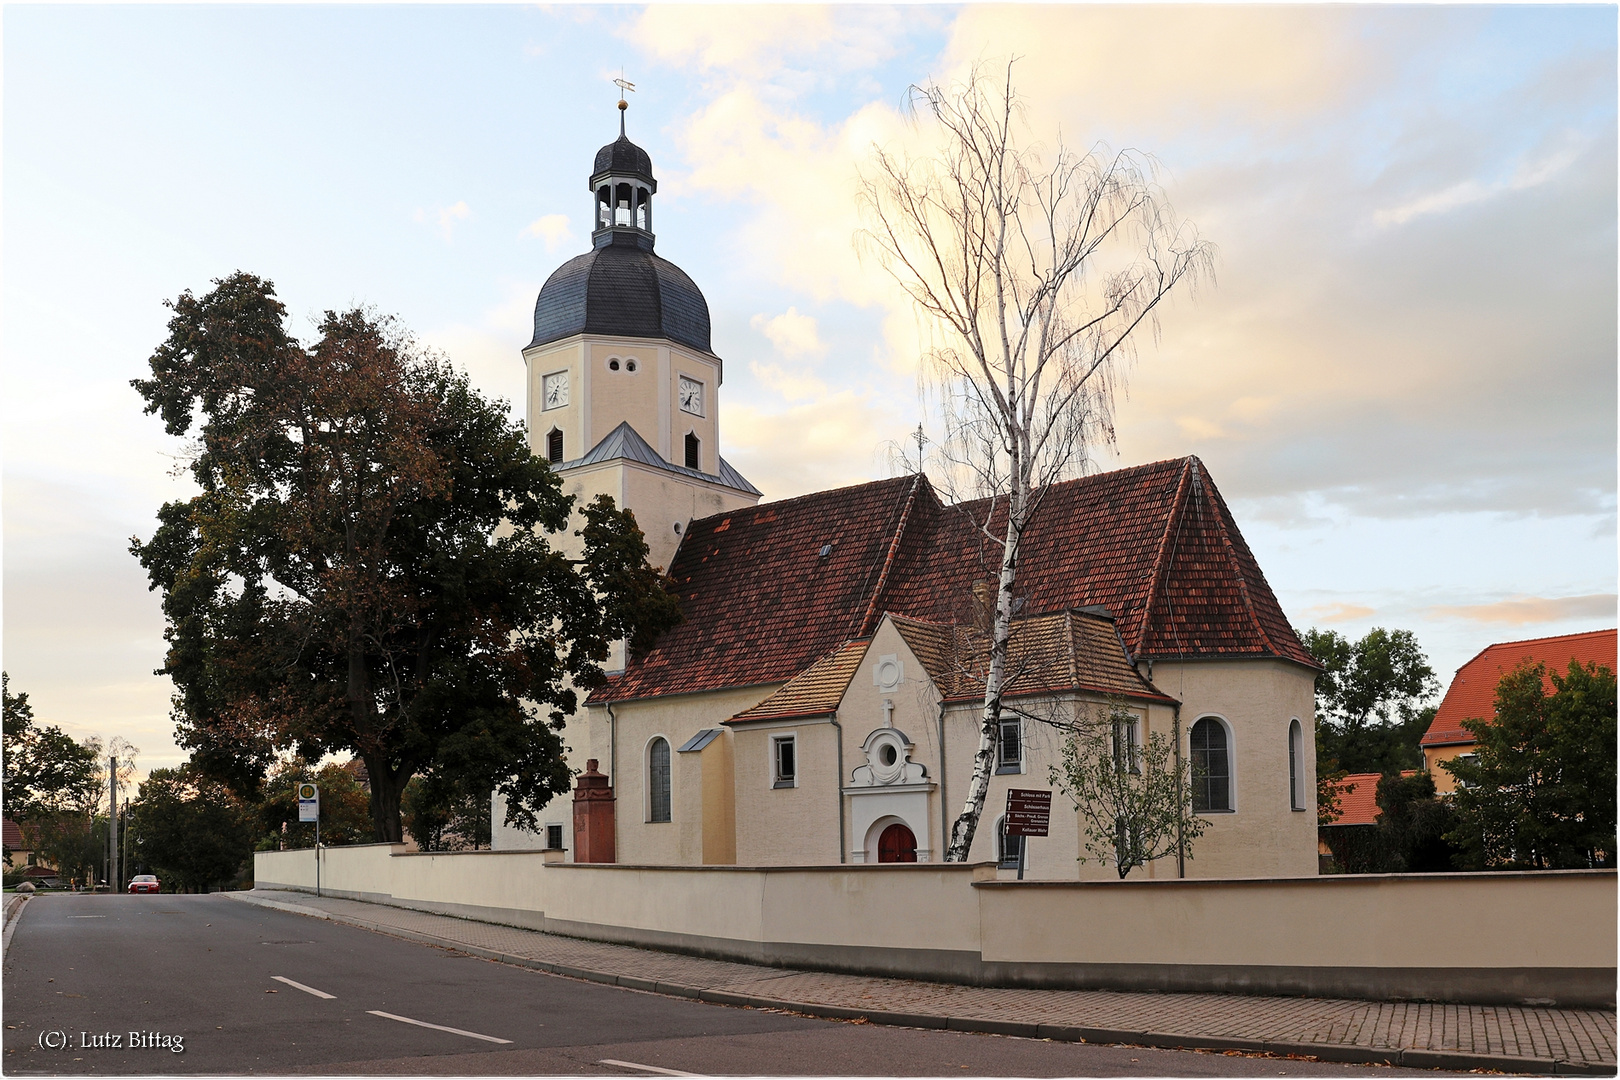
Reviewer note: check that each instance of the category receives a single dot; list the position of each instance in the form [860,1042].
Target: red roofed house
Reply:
[1472,693]
[820,702]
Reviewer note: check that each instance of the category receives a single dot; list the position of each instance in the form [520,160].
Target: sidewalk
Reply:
[1417,1034]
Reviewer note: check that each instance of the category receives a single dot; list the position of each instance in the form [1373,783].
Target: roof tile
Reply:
[1155,546]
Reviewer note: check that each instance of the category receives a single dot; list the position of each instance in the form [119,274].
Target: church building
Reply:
[820,703]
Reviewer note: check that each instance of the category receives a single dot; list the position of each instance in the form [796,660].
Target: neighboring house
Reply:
[1358,809]
[21,856]
[820,703]
[1472,693]
[19,852]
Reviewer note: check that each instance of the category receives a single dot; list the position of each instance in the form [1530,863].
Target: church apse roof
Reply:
[1154,546]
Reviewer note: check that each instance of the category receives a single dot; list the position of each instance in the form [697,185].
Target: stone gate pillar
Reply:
[593,817]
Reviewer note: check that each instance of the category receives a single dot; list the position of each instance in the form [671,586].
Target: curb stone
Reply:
[1451,1060]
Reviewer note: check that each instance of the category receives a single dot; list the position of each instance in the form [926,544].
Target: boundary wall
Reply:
[1539,938]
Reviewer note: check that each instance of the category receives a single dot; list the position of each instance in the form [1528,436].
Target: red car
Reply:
[143,883]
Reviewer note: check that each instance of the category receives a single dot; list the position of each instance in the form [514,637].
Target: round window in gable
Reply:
[613,365]
[887,754]
[630,366]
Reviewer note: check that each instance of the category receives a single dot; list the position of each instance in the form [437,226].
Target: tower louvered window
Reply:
[692,447]
[554,446]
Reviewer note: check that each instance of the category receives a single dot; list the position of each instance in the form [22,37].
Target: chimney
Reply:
[593,817]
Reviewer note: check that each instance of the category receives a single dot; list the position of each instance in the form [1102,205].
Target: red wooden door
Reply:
[897,844]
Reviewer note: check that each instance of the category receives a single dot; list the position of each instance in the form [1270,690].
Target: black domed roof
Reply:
[621,288]
[623,156]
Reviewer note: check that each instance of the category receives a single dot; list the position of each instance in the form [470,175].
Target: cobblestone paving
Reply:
[1578,1035]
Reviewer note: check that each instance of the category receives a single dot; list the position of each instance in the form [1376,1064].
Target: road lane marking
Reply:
[646,1068]
[305,989]
[87,916]
[438,1027]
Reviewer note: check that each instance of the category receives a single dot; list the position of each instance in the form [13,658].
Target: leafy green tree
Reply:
[1133,807]
[366,567]
[190,830]
[345,807]
[47,771]
[1371,701]
[1540,794]
[443,816]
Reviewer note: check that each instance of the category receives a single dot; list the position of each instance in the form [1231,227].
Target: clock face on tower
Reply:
[554,390]
[691,396]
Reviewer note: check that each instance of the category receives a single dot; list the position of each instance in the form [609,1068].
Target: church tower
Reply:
[623,386]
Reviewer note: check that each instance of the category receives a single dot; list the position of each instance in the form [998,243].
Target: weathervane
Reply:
[624,86]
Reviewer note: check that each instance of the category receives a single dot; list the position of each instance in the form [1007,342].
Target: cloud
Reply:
[488,349]
[1338,613]
[798,45]
[1526,610]
[792,334]
[1471,192]
[834,440]
[553,229]
[445,217]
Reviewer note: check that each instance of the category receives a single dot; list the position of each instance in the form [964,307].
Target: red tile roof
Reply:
[1071,650]
[1358,799]
[12,835]
[1154,545]
[816,691]
[1472,693]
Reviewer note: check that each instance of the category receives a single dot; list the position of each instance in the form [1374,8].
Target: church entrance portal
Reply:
[897,844]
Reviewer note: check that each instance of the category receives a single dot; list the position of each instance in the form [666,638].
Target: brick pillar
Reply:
[593,817]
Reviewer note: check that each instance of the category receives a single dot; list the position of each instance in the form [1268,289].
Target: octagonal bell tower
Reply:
[623,386]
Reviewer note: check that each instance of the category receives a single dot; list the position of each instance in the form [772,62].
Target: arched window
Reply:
[1296,766]
[692,447]
[554,445]
[1008,848]
[1211,767]
[658,780]
[622,205]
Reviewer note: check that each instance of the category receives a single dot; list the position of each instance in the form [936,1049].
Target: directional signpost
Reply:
[1029,813]
[309,809]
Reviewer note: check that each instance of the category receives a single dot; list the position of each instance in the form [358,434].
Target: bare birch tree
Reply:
[1037,269]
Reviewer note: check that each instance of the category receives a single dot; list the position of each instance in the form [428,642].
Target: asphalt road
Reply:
[211,985]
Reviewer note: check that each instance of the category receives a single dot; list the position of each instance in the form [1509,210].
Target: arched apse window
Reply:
[1211,767]
[1296,766]
[554,446]
[1008,848]
[658,780]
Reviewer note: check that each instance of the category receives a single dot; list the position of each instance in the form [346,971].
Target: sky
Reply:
[1402,376]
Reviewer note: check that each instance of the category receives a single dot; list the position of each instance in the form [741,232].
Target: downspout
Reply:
[1181,840]
[613,771]
[838,788]
[944,800]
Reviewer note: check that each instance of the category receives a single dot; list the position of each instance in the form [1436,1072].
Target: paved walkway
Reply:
[1508,1038]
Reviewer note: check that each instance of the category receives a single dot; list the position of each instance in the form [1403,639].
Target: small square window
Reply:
[554,837]
[1010,748]
[784,762]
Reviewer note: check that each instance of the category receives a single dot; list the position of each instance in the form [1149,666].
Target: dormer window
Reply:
[692,448]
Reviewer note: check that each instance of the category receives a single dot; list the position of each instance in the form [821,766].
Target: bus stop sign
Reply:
[309,802]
